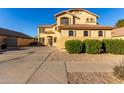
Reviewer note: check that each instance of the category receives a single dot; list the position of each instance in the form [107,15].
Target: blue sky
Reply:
[26,20]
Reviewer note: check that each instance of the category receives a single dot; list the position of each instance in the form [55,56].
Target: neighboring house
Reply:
[118,33]
[73,24]
[12,38]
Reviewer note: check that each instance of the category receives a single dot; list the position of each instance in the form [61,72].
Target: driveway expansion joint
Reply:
[66,71]
[35,71]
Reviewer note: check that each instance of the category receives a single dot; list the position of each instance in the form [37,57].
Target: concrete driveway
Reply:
[41,65]
[29,65]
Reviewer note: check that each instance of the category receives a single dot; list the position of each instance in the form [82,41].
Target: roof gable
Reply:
[75,9]
[80,9]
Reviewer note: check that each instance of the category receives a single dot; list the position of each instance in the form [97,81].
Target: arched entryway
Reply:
[50,40]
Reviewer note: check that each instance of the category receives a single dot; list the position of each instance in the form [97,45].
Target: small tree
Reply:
[120,23]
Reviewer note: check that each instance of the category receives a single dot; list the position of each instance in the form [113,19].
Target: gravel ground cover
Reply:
[64,56]
[92,78]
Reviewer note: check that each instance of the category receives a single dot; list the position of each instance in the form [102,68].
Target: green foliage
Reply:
[114,46]
[120,23]
[73,46]
[93,46]
[84,46]
[107,45]
[119,71]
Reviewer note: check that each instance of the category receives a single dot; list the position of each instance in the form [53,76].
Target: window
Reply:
[85,33]
[43,30]
[64,20]
[92,19]
[71,33]
[87,19]
[39,39]
[42,40]
[55,39]
[100,33]
[55,28]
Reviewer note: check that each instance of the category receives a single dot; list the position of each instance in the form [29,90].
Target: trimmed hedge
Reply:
[93,46]
[114,46]
[73,46]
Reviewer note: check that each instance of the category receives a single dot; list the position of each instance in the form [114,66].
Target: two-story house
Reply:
[72,24]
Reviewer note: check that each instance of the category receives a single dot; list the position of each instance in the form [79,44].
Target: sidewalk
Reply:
[89,67]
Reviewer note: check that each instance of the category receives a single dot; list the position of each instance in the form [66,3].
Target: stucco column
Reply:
[38,34]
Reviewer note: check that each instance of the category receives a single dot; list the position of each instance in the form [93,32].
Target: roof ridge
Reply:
[10,32]
[84,11]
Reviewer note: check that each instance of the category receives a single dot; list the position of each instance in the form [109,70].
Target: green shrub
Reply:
[3,46]
[84,46]
[106,45]
[119,71]
[114,46]
[73,46]
[93,46]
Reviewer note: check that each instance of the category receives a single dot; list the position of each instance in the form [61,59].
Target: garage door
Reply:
[11,41]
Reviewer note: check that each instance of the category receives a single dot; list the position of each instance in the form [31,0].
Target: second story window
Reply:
[64,21]
[43,30]
[87,20]
[71,33]
[100,33]
[85,33]
[90,20]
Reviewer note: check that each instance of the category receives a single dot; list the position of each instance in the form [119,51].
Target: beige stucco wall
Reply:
[24,42]
[82,16]
[45,36]
[93,34]
[64,15]
[80,33]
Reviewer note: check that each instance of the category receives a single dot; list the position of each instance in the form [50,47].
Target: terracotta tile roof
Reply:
[118,31]
[7,32]
[85,27]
